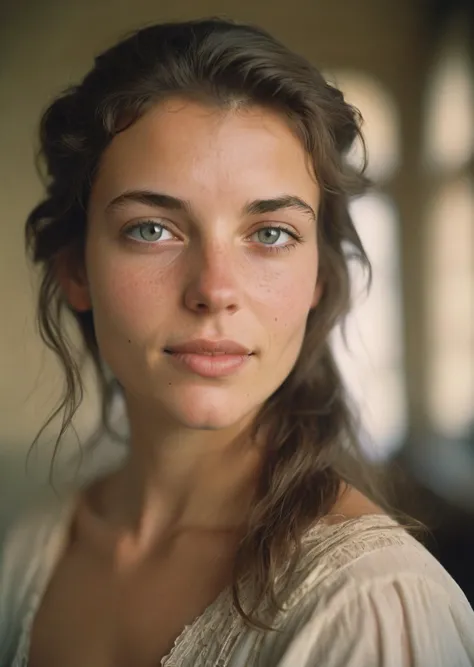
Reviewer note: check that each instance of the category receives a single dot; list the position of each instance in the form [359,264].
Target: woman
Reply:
[196,224]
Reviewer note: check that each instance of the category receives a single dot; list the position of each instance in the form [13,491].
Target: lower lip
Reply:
[210,366]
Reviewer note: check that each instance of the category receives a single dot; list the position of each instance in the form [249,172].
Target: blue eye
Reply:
[148,232]
[270,235]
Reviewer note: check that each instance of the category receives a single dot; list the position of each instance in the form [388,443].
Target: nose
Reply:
[212,285]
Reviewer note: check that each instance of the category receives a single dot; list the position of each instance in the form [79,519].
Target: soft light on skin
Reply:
[209,276]
[147,296]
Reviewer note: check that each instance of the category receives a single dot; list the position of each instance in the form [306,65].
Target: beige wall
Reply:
[52,43]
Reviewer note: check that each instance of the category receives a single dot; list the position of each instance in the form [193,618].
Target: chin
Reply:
[209,410]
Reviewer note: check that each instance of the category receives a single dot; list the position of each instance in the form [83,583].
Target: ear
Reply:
[72,279]
[318,292]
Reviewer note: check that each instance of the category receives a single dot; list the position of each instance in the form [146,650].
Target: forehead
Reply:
[190,149]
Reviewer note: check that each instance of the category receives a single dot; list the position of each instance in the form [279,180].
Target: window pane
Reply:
[449,140]
[372,362]
[450,302]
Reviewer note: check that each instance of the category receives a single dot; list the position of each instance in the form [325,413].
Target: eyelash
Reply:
[297,238]
[281,248]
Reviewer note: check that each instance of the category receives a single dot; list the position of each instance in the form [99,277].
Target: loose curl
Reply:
[308,424]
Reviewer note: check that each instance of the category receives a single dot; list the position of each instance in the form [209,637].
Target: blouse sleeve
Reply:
[409,621]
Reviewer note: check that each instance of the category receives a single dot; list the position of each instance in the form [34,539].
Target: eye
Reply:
[273,236]
[149,231]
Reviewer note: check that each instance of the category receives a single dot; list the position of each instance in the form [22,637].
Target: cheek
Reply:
[282,305]
[288,314]
[127,299]
[284,292]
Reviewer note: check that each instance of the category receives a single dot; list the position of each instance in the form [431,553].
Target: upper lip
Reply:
[202,346]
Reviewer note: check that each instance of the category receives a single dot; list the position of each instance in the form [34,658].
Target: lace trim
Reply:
[341,546]
[213,635]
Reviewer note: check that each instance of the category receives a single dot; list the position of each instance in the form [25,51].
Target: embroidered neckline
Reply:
[213,634]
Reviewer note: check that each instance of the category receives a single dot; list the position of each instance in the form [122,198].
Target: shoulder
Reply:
[365,548]
[27,551]
[369,594]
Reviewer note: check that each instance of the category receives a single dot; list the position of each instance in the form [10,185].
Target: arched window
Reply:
[370,354]
[449,128]
[449,156]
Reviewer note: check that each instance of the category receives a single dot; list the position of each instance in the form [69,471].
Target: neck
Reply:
[177,481]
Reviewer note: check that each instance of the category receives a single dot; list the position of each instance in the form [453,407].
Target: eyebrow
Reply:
[260,206]
[155,199]
[256,207]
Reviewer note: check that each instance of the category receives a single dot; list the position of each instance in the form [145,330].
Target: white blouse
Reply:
[365,594]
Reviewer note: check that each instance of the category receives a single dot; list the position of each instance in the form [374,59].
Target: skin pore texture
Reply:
[201,225]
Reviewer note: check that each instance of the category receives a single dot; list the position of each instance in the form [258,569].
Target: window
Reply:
[372,360]
[449,134]
[449,154]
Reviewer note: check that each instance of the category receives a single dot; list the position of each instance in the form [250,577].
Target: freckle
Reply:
[276,319]
[129,340]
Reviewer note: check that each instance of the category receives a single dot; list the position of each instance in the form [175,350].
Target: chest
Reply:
[93,616]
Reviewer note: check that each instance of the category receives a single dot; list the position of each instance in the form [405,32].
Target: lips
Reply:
[210,358]
[209,348]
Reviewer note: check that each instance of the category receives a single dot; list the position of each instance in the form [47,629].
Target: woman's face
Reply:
[201,227]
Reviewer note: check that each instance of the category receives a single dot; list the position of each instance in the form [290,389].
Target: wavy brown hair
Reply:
[308,423]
